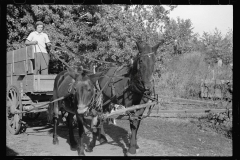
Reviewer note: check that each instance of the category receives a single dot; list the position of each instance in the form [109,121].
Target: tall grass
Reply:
[184,73]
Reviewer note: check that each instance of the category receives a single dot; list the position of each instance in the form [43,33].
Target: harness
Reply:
[136,88]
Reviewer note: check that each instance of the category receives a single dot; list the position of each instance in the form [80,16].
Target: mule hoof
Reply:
[55,142]
[89,149]
[129,154]
[73,143]
[137,147]
[73,147]
[103,140]
[81,153]
[132,150]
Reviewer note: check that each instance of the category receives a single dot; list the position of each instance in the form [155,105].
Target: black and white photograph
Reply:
[119,80]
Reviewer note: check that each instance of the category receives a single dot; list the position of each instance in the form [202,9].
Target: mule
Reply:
[80,93]
[127,88]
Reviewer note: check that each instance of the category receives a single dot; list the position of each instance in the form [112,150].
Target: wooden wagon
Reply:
[25,88]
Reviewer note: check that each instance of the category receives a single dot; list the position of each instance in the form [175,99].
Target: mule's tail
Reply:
[50,111]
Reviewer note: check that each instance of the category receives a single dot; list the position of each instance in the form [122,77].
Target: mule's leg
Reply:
[81,134]
[73,143]
[101,135]
[97,132]
[133,142]
[94,133]
[55,123]
[92,144]
[134,125]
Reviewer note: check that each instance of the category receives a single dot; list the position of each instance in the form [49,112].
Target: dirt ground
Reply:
[157,136]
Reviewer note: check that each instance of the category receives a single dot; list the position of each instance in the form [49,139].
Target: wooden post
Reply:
[13,62]
[11,72]
[38,82]
[26,64]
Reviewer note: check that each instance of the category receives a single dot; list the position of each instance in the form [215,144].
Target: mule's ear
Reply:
[72,73]
[157,45]
[95,77]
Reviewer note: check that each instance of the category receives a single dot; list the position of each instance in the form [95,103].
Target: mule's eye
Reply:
[140,61]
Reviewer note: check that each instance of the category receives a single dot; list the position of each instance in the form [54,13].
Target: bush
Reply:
[219,122]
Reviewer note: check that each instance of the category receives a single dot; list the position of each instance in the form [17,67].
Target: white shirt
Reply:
[41,38]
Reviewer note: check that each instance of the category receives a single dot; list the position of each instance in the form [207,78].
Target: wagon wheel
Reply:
[14,103]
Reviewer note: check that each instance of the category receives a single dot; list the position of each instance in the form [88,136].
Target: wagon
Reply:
[25,88]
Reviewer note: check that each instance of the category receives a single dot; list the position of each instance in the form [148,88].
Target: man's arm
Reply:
[49,44]
[27,42]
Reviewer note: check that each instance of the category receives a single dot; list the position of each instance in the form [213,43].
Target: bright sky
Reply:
[206,17]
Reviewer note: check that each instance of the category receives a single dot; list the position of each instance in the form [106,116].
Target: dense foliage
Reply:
[100,31]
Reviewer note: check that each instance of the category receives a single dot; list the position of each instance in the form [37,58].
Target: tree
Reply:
[217,46]
[179,33]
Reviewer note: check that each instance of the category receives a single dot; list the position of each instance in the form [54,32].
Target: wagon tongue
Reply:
[81,111]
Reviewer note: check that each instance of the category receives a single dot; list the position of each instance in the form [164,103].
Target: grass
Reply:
[183,74]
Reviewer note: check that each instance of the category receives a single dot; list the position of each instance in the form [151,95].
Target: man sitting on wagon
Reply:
[40,40]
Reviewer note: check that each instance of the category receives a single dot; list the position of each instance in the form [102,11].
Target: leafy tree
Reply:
[217,46]
[178,34]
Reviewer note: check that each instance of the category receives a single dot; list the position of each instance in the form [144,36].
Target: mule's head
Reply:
[83,90]
[144,62]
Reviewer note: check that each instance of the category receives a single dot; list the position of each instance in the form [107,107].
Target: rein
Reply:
[81,55]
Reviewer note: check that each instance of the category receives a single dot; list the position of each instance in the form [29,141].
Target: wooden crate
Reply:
[40,83]
[21,61]
[43,83]
[32,83]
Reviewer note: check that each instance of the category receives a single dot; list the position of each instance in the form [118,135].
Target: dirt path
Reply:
[156,137]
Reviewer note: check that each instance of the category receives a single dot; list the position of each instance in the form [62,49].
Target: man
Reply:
[40,40]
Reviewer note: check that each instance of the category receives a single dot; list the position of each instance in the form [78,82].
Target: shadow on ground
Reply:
[117,134]
[10,152]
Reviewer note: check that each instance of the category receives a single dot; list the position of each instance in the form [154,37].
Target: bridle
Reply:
[136,82]
[72,91]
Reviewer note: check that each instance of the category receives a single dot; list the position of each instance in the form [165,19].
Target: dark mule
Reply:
[81,92]
[128,88]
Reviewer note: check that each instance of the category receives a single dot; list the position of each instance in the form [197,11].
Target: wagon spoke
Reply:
[11,95]
[14,97]
[12,123]
[16,120]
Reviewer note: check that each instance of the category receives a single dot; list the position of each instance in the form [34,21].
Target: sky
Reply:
[206,17]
